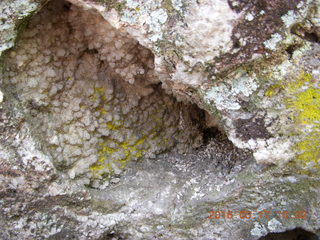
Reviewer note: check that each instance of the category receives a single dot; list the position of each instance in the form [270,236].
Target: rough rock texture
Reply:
[13,16]
[93,95]
[227,57]
[135,119]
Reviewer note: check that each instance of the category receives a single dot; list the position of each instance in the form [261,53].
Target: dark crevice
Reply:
[67,6]
[306,34]
[290,49]
[111,236]
[210,133]
[236,43]
[295,234]
[311,37]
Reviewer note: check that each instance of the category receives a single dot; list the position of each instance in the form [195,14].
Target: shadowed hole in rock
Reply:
[307,34]
[210,133]
[111,236]
[295,234]
[311,36]
[290,49]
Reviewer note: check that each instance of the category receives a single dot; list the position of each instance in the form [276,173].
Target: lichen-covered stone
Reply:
[13,16]
[92,93]
[135,119]
[196,47]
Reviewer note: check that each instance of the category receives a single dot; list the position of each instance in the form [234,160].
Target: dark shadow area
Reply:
[290,49]
[307,34]
[110,236]
[210,133]
[295,234]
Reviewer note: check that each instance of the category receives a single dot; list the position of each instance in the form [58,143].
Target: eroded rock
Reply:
[135,119]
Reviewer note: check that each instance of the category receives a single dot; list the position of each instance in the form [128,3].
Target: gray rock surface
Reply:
[139,119]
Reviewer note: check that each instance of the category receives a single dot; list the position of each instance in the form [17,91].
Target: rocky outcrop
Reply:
[135,119]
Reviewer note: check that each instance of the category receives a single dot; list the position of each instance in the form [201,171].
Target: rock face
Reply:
[159,119]
[93,95]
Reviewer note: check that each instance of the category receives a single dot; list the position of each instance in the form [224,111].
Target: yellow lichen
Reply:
[106,157]
[99,167]
[130,148]
[112,126]
[307,104]
[97,93]
[310,148]
[273,90]
[304,99]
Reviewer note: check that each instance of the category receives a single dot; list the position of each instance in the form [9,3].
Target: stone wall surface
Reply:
[135,119]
